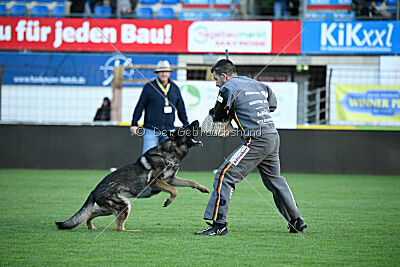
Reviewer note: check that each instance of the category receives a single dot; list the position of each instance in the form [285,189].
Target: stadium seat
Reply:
[40,11]
[170,2]
[44,1]
[165,13]
[61,1]
[330,15]
[148,2]
[188,15]
[225,2]
[3,10]
[58,11]
[102,12]
[391,2]
[222,15]
[144,13]
[18,11]
[196,2]
[25,1]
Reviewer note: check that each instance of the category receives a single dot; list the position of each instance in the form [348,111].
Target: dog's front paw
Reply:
[167,202]
[203,189]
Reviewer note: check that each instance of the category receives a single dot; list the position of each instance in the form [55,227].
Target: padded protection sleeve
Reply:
[220,110]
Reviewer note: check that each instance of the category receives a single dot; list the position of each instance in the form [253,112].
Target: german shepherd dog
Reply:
[151,173]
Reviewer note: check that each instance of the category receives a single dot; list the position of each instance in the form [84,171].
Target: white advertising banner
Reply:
[200,97]
[238,36]
[46,104]
[285,115]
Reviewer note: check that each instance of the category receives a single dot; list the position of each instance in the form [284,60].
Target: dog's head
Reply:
[185,136]
[180,140]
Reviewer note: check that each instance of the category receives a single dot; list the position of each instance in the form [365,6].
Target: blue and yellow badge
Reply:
[367,102]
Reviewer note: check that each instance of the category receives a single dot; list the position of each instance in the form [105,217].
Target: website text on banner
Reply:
[153,36]
[360,37]
[77,69]
[368,104]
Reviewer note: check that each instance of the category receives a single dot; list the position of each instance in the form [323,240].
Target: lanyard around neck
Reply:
[165,90]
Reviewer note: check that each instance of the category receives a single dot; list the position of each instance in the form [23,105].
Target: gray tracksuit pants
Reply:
[261,152]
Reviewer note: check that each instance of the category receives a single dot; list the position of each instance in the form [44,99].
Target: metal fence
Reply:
[372,79]
[41,97]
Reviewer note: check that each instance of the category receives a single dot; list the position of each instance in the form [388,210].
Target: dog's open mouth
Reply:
[196,142]
[192,131]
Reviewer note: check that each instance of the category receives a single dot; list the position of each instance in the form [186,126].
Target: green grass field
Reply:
[352,220]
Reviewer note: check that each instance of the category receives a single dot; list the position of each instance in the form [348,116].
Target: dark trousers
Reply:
[263,153]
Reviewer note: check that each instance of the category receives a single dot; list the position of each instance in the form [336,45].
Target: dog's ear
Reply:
[152,160]
[195,124]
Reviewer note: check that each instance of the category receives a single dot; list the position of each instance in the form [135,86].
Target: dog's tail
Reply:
[80,217]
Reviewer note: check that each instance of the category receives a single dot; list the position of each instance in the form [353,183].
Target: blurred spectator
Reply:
[103,113]
[381,9]
[361,8]
[126,6]
[293,7]
[371,9]
[280,8]
[243,9]
[261,7]
[92,4]
[77,8]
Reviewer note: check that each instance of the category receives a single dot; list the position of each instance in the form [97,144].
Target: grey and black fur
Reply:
[151,173]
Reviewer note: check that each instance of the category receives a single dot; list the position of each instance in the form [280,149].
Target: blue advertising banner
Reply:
[75,68]
[357,37]
[329,2]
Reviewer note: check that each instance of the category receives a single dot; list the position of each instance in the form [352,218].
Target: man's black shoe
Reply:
[298,225]
[215,229]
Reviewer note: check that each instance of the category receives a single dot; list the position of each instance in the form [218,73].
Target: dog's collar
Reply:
[145,163]
[172,162]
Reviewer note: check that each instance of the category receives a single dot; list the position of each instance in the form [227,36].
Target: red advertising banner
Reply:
[284,32]
[93,35]
[152,36]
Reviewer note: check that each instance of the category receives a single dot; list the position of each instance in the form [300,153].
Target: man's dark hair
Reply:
[224,66]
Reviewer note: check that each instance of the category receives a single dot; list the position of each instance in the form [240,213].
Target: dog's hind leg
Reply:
[163,186]
[188,183]
[121,208]
[97,212]
[121,218]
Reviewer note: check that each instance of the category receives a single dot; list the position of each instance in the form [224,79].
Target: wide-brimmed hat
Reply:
[163,65]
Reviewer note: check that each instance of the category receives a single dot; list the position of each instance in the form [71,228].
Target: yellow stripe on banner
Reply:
[325,127]
[121,123]
[219,191]
[348,128]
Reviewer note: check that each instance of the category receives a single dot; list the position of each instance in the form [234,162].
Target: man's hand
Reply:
[134,129]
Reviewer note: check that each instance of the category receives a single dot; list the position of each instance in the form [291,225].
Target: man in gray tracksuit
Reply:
[249,103]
